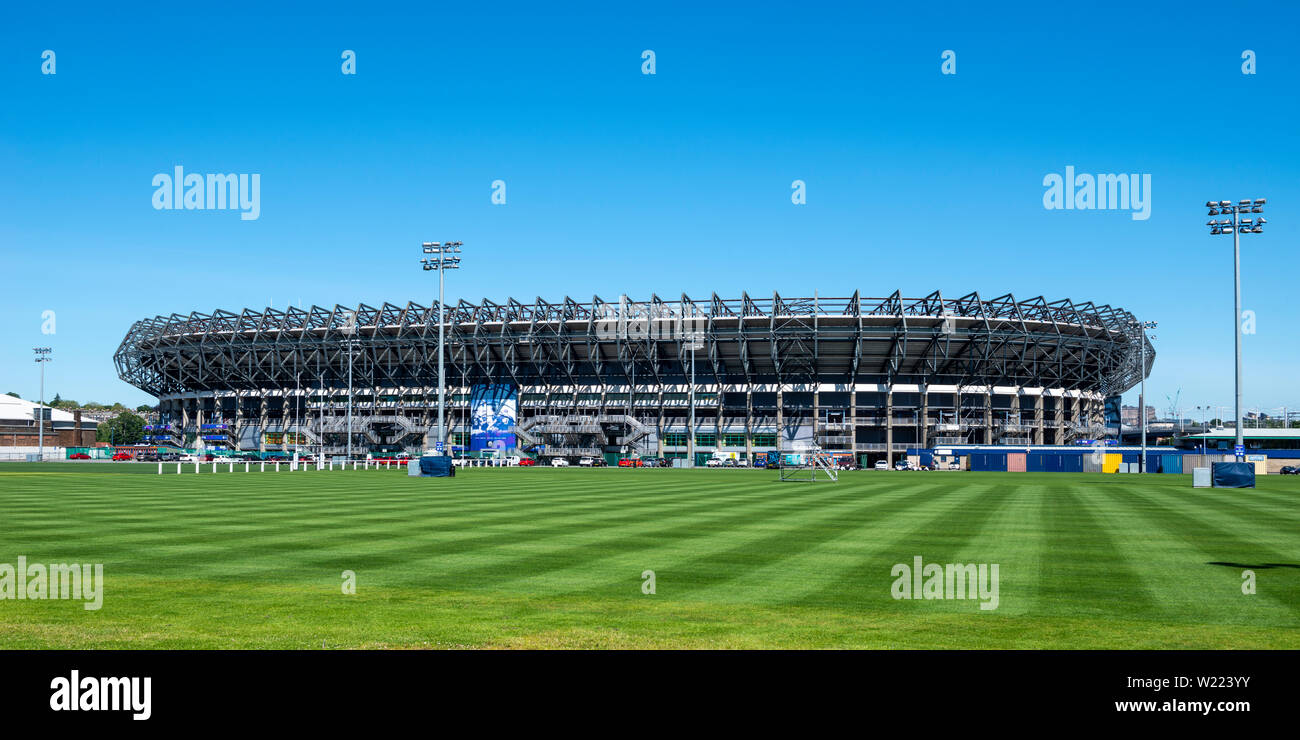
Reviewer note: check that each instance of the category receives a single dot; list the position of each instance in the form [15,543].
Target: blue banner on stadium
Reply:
[492,409]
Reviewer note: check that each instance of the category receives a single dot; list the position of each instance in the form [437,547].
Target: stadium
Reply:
[866,377]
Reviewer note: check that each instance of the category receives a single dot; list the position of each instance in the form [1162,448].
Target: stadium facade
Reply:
[870,376]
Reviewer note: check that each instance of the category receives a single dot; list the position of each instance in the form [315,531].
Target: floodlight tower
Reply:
[42,357]
[1236,226]
[350,330]
[1142,394]
[444,258]
[695,340]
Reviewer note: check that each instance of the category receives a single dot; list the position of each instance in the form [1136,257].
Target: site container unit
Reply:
[1015,462]
[611,459]
[988,461]
[1111,463]
[1170,463]
[1072,463]
[1046,462]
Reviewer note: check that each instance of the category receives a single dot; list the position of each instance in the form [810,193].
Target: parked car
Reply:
[121,456]
[78,456]
[559,462]
[585,462]
[730,463]
[713,462]
[630,462]
[527,462]
[881,465]
[148,457]
[902,465]
[1290,470]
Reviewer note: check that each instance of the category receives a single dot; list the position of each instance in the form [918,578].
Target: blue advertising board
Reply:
[493,410]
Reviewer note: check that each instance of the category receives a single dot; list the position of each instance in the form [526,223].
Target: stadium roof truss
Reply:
[963,341]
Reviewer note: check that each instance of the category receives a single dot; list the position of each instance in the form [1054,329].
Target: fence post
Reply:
[214,466]
[160,467]
[178,468]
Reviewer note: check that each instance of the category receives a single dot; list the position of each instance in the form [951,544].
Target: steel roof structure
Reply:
[969,340]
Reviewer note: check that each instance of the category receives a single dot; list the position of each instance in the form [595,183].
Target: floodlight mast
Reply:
[1142,394]
[1235,227]
[695,339]
[42,357]
[444,258]
[350,329]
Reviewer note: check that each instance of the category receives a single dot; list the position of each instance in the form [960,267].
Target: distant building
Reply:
[1128,415]
[62,429]
[1256,440]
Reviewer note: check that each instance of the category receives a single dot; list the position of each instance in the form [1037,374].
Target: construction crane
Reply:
[1174,411]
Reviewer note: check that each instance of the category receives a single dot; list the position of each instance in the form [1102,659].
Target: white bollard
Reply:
[159,468]
[263,467]
[277,466]
[331,464]
[231,469]
[214,466]
[178,468]
[196,466]
[245,467]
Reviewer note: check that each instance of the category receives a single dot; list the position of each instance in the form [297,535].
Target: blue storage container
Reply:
[1171,463]
[988,462]
[1072,463]
[1046,462]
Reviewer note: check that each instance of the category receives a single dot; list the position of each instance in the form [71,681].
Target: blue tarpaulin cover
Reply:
[437,467]
[1233,475]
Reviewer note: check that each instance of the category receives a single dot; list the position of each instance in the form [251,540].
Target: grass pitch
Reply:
[540,558]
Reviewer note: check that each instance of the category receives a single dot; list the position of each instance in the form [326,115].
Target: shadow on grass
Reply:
[1262,566]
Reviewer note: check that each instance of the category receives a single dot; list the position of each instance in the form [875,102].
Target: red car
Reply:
[630,462]
[123,456]
[527,462]
[78,456]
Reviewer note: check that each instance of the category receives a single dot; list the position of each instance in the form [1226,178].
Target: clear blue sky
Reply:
[619,182]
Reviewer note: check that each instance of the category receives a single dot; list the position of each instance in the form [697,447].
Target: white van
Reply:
[559,462]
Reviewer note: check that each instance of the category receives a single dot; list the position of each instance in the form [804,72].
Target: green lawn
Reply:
[553,558]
